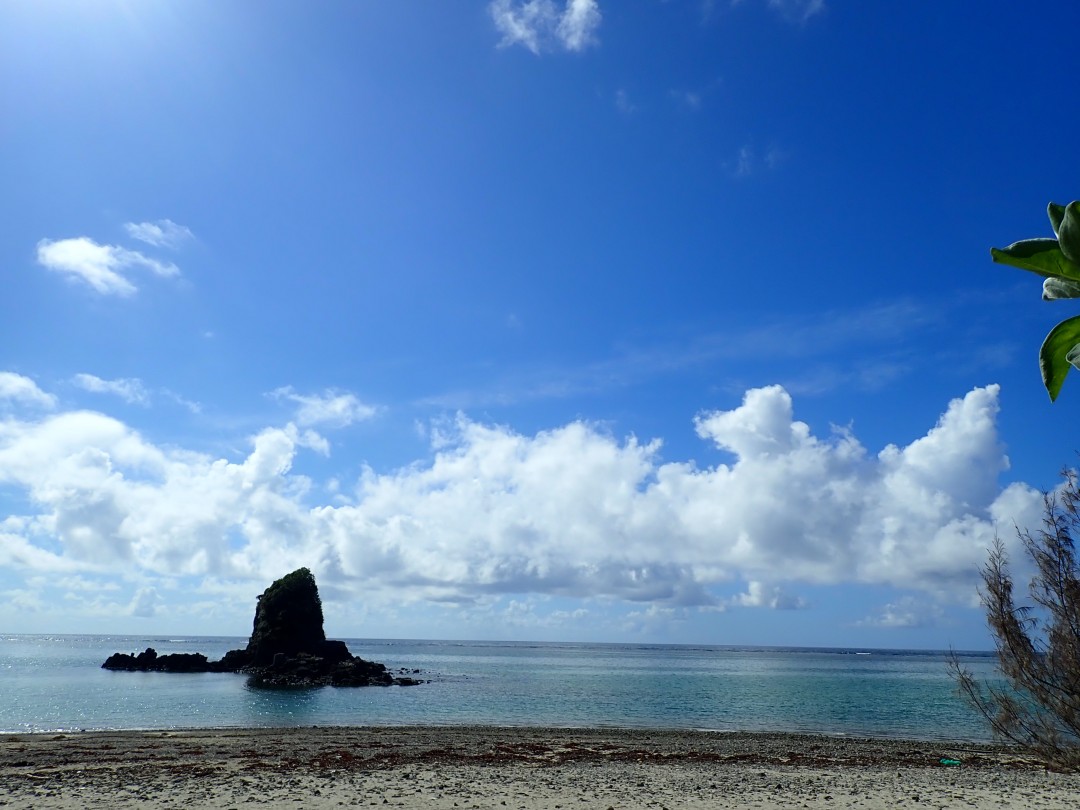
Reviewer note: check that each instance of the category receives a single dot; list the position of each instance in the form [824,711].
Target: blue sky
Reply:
[671,321]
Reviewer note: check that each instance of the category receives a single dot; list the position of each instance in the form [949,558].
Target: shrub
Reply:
[1038,645]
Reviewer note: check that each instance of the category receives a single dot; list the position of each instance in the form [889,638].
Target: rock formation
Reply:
[288,619]
[287,649]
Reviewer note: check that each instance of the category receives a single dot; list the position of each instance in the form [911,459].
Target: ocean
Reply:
[55,683]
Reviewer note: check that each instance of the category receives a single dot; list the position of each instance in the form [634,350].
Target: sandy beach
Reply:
[519,768]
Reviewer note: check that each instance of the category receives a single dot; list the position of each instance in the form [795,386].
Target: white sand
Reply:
[522,769]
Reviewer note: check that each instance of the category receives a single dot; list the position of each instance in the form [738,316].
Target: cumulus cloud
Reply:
[906,612]
[145,603]
[129,390]
[571,511]
[163,233]
[17,388]
[331,408]
[102,267]
[108,498]
[760,594]
[540,25]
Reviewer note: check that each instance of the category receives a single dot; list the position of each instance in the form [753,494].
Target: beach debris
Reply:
[949,761]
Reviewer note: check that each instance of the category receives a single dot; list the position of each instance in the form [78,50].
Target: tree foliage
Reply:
[1058,262]
[1038,645]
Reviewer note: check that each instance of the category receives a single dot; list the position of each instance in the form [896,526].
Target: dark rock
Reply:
[150,661]
[288,619]
[334,651]
[288,648]
[124,661]
[183,662]
[233,661]
[304,671]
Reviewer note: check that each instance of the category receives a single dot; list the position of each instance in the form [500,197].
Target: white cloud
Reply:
[102,267]
[762,426]
[112,499]
[578,24]
[331,408]
[24,600]
[17,388]
[163,233]
[539,25]
[190,405]
[570,512]
[906,612]
[525,24]
[18,552]
[797,10]
[760,594]
[748,161]
[145,603]
[77,583]
[654,620]
[129,390]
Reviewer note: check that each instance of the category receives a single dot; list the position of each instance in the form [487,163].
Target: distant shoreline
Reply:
[141,639]
[524,768]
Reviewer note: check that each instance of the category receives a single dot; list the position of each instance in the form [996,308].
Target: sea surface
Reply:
[55,683]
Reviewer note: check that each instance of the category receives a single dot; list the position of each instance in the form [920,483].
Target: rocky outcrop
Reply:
[312,670]
[288,619]
[150,661]
[287,649]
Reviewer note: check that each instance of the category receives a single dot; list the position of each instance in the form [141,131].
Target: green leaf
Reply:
[1056,213]
[1069,232]
[1041,256]
[1057,288]
[1057,353]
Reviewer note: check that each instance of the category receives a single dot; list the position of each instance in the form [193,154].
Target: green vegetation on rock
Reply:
[288,619]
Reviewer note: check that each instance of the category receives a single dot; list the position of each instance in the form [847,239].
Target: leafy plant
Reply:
[1058,261]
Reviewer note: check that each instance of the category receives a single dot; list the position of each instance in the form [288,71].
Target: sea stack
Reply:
[287,649]
[288,619]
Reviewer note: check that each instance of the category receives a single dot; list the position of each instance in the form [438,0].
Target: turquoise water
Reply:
[55,683]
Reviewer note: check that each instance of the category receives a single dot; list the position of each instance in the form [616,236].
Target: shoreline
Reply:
[971,742]
[519,767]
